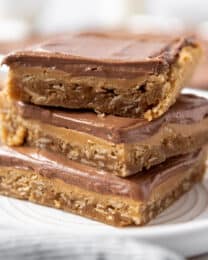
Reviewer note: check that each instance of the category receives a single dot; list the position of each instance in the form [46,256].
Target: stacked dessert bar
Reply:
[94,124]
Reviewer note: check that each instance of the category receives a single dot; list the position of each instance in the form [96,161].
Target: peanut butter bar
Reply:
[48,179]
[126,75]
[120,145]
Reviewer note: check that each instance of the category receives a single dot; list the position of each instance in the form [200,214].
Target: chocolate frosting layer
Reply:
[104,54]
[52,165]
[187,110]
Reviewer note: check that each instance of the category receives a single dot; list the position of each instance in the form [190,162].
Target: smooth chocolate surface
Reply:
[52,165]
[188,109]
[104,54]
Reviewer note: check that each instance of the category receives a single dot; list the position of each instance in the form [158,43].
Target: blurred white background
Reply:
[23,17]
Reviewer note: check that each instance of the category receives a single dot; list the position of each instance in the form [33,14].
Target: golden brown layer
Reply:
[122,159]
[115,210]
[148,95]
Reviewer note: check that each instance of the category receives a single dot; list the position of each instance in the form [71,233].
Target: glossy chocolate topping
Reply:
[188,109]
[104,54]
[52,165]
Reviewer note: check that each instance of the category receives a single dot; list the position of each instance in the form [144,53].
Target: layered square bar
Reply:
[126,75]
[48,179]
[122,146]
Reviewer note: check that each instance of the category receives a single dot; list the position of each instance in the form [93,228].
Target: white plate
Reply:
[183,227]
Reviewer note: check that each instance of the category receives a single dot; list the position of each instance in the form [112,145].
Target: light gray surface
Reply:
[33,246]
